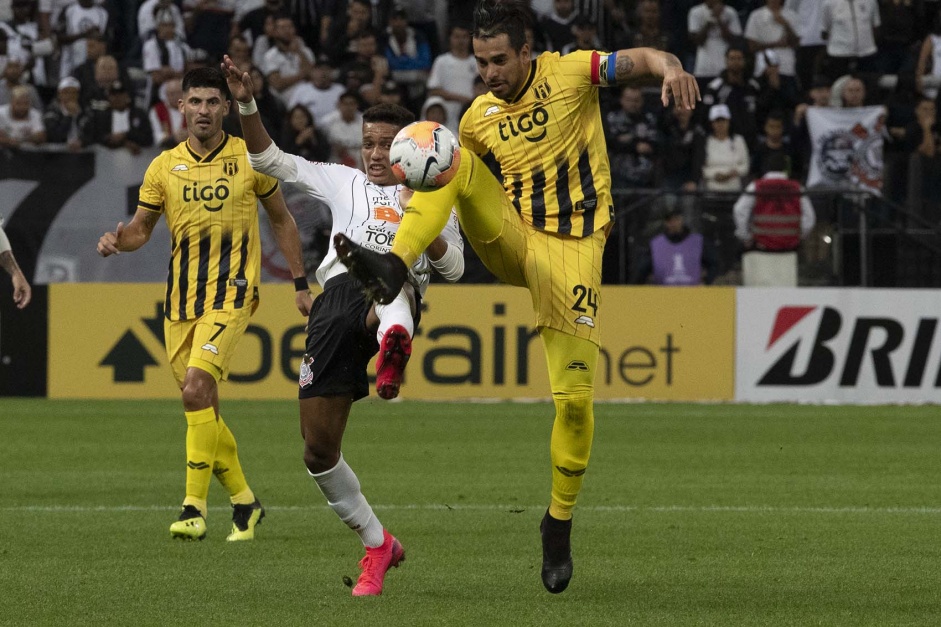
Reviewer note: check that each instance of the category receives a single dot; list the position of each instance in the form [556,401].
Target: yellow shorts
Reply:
[207,342]
[562,273]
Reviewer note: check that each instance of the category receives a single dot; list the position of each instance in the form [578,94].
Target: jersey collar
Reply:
[212,155]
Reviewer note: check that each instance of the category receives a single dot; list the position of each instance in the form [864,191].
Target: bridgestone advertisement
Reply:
[838,345]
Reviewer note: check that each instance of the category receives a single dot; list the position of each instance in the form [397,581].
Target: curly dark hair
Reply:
[502,17]
[210,77]
[393,114]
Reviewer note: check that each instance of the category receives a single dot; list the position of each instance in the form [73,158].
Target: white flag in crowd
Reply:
[847,147]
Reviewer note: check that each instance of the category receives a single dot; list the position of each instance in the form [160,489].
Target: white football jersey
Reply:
[367,213]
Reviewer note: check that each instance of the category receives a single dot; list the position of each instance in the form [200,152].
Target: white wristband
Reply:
[248,108]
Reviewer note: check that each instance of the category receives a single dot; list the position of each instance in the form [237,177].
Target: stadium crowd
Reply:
[83,72]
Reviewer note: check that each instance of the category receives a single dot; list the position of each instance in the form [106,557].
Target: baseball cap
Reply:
[69,82]
[719,111]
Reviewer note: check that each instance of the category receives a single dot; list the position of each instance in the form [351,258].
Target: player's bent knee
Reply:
[574,409]
[199,389]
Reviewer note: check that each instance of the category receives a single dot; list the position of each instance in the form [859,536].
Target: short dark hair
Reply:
[210,77]
[776,114]
[502,17]
[388,113]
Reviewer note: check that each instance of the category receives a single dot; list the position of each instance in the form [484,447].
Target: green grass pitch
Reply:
[690,515]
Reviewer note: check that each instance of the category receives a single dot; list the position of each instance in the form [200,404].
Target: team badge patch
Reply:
[542,90]
[307,375]
[230,166]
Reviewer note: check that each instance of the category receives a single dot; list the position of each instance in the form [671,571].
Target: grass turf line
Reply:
[691,514]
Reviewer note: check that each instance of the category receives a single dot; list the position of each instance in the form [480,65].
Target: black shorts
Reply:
[339,346]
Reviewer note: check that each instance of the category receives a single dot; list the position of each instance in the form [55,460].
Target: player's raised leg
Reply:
[395,327]
[323,421]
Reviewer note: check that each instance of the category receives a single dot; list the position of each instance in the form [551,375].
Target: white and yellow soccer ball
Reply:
[424,156]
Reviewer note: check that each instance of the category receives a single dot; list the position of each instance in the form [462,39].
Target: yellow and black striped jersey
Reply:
[211,207]
[549,143]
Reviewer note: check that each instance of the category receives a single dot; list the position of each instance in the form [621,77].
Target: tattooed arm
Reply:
[131,237]
[640,62]
[21,289]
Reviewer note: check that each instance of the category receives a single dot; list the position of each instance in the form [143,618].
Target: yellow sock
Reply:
[228,469]
[202,435]
[574,426]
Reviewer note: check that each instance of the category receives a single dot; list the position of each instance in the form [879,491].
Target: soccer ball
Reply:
[424,156]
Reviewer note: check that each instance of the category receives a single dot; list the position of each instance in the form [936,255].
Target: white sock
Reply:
[341,488]
[398,312]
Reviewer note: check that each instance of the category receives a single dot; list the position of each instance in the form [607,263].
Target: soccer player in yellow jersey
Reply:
[544,228]
[209,194]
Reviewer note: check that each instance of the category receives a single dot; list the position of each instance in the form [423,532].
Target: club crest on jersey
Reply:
[307,375]
[542,90]
[230,166]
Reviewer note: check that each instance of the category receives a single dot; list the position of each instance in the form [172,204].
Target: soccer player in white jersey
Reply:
[366,207]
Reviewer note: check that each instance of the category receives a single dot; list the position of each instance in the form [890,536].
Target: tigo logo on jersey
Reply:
[207,193]
[531,125]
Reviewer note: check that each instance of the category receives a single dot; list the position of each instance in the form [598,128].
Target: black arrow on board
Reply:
[155,324]
[128,358]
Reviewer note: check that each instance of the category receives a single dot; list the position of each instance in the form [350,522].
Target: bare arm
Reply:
[131,237]
[639,62]
[240,84]
[22,293]
[289,243]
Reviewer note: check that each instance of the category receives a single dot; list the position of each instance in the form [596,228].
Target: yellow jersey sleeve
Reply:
[265,185]
[153,193]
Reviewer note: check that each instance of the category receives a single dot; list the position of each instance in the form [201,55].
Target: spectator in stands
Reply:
[677,256]
[391,94]
[586,36]
[79,21]
[272,111]
[252,24]
[368,68]
[263,43]
[774,90]
[288,62]
[166,121]
[94,94]
[649,32]
[680,138]
[433,110]
[240,51]
[738,91]
[146,24]
[338,42]
[344,130]
[164,52]
[812,48]
[320,93]
[771,218]
[409,57]
[818,96]
[929,60]
[774,141]
[122,125]
[633,140]
[302,137]
[771,32]
[712,27]
[452,75]
[723,158]
[849,28]
[921,137]
[14,75]
[903,23]
[63,115]
[209,25]
[851,92]
[25,27]
[20,123]
[558,25]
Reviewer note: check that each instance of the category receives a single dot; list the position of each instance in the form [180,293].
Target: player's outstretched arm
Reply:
[240,84]
[289,242]
[639,62]
[131,237]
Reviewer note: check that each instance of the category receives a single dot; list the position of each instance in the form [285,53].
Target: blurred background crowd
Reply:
[74,73]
